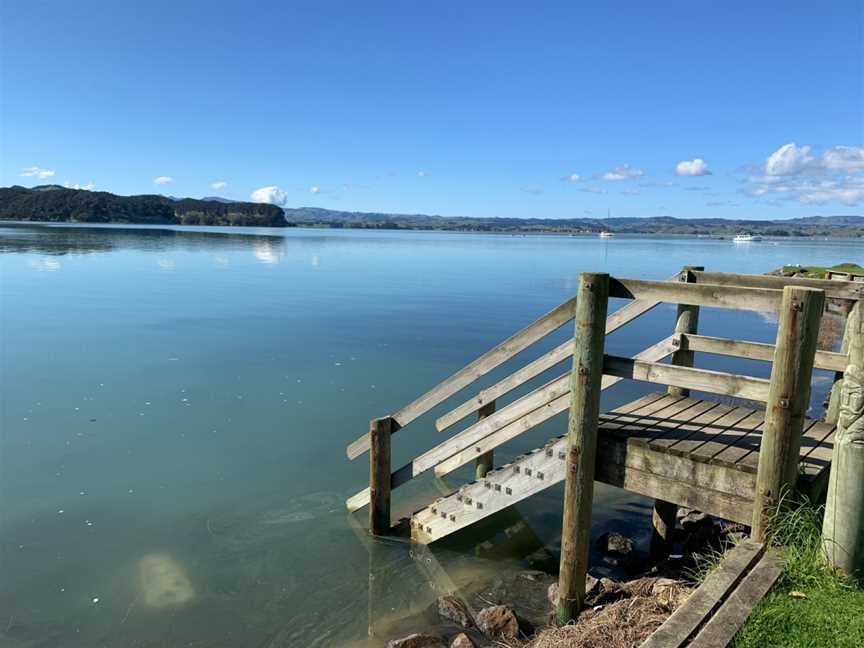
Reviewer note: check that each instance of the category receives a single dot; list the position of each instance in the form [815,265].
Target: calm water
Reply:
[176,404]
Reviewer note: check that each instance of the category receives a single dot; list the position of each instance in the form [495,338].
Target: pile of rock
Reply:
[491,623]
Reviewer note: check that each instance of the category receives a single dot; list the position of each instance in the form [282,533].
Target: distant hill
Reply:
[53,203]
[845,226]
[58,204]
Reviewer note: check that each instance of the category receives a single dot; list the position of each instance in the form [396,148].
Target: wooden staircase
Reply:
[693,452]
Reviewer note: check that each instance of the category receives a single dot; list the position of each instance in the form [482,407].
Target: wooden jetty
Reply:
[730,460]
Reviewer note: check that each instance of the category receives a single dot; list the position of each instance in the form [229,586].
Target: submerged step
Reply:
[502,487]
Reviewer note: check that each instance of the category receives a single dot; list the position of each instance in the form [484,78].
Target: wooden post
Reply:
[788,398]
[833,411]
[585,379]
[843,526]
[485,461]
[663,517]
[379,475]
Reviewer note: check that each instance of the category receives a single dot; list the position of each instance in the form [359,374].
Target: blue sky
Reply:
[457,108]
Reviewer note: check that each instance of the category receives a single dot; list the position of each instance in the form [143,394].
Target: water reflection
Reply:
[70,239]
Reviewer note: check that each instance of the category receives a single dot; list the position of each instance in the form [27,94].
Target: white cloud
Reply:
[163,180]
[622,172]
[695,167]
[596,190]
[219,184]
[421,174]
[657,184]
[789,159]
[90,186]
[795,172]
[630,192]
[272,195]
[36,171]
[573,177]
[314,189]
[844,158]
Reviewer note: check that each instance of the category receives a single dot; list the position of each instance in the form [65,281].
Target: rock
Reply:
[453,609]
[616,544]
[498,622]
[462,640]
[552,594]
[417,640]
[591,584]
[694,520]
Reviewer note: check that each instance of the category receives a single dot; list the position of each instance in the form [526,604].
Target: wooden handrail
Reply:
[827,360]
[766,300]
[499,354]
[619,318]
[540,415]
[715,382]
[519,416]
[833,288]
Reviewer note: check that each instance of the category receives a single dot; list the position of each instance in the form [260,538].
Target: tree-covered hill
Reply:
[844,226]
[53,203]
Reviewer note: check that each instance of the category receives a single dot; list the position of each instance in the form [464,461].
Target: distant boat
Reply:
[605,234]
[746,238]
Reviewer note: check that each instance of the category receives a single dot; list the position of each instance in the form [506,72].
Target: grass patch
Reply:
[832,614]
[820,272]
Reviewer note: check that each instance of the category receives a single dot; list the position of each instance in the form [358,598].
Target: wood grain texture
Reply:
[721,628]
[680,626]
[828,360]
[585,388]
[715,382]
[833,289]
[788,397]
[843,528]
[733,297]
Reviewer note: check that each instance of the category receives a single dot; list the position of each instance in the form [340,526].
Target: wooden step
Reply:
[502,487]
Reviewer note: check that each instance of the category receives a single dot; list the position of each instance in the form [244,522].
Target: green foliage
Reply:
[831,612]
[821,272]
[58,204]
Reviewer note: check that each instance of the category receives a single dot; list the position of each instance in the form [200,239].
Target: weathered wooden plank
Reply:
[743,452]
[828,360]
[716,382]
[499,354]
[717,439]
[641,470]
[691,442]
[533,418]
[684,621]
[734,297]
[834,289]
[721,628]
[508,384]
[789,395]
[533,369]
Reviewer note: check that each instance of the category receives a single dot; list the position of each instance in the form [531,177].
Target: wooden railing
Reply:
[692,287]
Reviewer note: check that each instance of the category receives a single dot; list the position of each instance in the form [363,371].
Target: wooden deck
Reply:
[697,453]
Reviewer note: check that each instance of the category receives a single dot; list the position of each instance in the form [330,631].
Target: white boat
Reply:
[746,238]
[605,234]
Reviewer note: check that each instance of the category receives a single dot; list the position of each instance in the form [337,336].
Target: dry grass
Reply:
[623,624]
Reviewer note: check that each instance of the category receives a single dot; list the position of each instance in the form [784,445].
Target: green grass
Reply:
[820,272]
[832,614]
